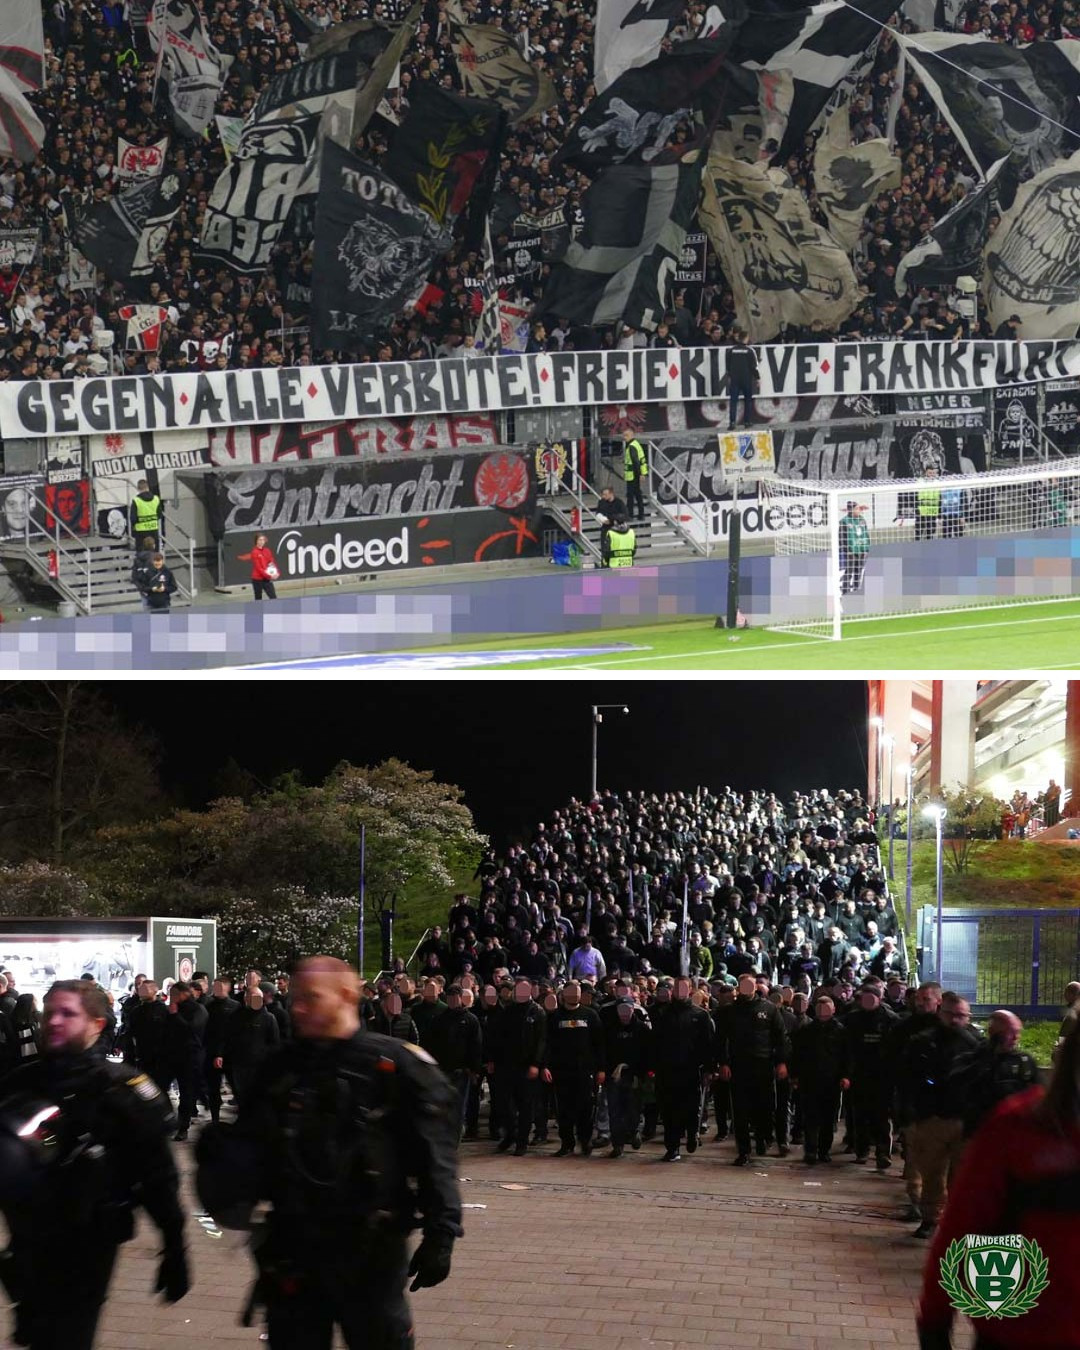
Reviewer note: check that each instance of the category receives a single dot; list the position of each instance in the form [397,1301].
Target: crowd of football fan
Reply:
[562,992]
[96,90]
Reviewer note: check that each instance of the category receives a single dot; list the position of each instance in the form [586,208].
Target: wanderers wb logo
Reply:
[994,1276]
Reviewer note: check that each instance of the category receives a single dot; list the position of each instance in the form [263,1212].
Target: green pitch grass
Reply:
[1033,636]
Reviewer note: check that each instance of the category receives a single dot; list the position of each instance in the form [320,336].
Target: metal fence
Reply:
[1020,959]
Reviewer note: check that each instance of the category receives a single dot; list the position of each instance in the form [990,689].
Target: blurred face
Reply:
[1004,1030]
[824,1009]
[747,986]
[868,1000]
[522,993]
[956,1014]
[66,1027]
[572,995]
[927,999]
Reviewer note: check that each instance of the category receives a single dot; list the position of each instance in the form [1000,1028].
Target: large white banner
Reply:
[224,398]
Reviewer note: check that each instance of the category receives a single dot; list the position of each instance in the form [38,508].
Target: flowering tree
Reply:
[272,934]
[296,840]
[36,889]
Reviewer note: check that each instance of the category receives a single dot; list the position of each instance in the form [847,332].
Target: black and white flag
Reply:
[193,67]
[784,269]
[373,248]
[1033,262]
[628,34]
[815,48]
[635,119]
[489,326]
[691,266]
[848,178]
[1002,100]
[124,235]
[22,70]
[623,264]
[274,162]
[493,68]
[954,247]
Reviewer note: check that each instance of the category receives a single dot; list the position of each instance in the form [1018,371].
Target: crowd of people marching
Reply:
[97,89]
[563,992]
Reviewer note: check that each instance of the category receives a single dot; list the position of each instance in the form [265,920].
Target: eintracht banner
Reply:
[223,398]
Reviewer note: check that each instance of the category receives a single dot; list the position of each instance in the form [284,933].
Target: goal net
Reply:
[854,550]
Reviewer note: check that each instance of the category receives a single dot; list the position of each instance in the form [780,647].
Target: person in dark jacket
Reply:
[72,1203]
[832,954]
[275,1006]
[455,1042]
[391,1019]
[574,1066]
[941,1065]
[27,1023]
[160,586]
[683,1050]
[142,569]
[250,1035]
[515,1050]
[147,1039]
[219,1008]
[428,1010]
[742,373]
[752,1053]
[869,1027]
[1002,1070]
[820,1068]
[185,1038]
[627,1057]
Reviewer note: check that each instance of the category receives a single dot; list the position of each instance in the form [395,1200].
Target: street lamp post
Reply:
[597,718]
[890,745]
[910,807]
[878,723]
[937,815]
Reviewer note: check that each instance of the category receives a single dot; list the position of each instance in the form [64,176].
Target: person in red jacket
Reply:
[1020,1174]
[264,570]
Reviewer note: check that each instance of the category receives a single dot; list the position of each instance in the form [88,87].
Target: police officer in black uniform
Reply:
[335,1126]
[82,1141]
[574,1065]
[683,1051]
[752,1052]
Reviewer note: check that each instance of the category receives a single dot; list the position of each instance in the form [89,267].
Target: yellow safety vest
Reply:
[146,514]
[621,545]
[929,501]
[634,465]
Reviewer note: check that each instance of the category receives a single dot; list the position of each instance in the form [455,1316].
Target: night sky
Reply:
[518,749]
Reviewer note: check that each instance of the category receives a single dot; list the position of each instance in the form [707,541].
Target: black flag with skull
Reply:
[373,249]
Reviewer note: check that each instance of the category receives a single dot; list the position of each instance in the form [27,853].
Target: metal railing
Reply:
[188,557]
[687,498]
[573,484]
[32,529]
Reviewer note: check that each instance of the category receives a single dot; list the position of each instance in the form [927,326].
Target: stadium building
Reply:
[999,736]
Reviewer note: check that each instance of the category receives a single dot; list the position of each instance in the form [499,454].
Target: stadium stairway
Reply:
[64,571]
[1059,833]
[656,536]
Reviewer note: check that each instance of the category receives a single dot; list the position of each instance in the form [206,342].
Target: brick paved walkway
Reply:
[612,1255]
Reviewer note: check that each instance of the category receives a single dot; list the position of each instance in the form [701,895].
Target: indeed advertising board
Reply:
[386,544]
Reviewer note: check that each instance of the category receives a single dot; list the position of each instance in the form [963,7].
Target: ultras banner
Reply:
[223,398]
[329,494]
[388,544]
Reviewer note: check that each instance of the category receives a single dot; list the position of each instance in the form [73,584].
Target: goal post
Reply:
[862,549]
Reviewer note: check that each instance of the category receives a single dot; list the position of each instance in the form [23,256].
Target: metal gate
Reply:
[1020,959]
